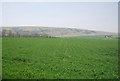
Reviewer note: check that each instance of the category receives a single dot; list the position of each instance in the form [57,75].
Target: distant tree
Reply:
[17,34]
[10,33]
[3,33]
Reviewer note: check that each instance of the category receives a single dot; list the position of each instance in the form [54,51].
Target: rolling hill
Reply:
[56,32]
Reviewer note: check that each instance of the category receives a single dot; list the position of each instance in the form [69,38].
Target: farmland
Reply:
[59,58]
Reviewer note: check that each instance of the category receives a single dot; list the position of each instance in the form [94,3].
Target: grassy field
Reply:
[59,58]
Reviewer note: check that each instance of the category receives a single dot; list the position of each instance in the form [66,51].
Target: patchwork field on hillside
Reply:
[59,58]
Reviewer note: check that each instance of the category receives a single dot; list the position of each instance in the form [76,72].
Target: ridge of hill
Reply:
[56,32]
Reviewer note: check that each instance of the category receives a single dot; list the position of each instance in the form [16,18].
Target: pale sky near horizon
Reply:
[100,16]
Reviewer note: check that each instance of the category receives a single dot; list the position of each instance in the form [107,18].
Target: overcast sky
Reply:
[100,16]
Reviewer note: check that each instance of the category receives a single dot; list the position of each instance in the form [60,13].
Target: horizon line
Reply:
[58,27]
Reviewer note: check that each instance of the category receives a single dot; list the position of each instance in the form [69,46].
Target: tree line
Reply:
[9,33]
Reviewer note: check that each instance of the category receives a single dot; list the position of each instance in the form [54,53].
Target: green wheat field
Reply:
[59,58]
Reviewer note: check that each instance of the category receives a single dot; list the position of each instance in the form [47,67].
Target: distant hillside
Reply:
[56,32]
